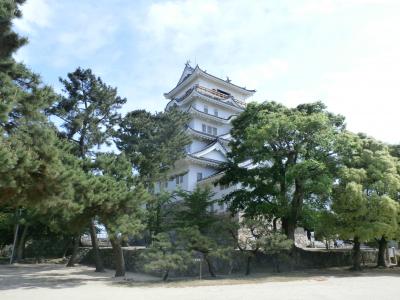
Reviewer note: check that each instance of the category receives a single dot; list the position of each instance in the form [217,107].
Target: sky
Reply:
[345,53]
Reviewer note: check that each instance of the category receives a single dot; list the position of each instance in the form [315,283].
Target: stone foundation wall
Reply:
[297,260]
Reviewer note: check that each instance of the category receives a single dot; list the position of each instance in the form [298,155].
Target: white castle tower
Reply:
[212,103]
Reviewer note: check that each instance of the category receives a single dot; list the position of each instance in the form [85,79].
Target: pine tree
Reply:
[200,227]
[119,200]
[89,111]
[153,142]
[32,175]
[165,255]
[254,235]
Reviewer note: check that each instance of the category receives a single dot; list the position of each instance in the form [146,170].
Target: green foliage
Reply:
[254,235]
[274,243]
[291,151]
[10,41]
[34,178]
[160,213]
[325,226]
[165,255]
[89,112]
[366,193]
[7,222]
[195,210]
[195,240]
[203,229]
[88,109]
[117,197]
[195,229]
[153,142]
[35,173]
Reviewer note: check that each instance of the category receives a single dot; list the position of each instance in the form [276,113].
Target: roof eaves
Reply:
[227,82]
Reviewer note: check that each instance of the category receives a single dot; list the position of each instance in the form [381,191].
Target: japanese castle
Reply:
[213,103]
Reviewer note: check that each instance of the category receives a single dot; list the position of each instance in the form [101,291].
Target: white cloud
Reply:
[36,14]
[210,25]
[343,52]
[257,74]
[84,38]
[307,8]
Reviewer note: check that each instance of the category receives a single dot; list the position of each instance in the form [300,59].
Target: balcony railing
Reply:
[210,93]
[216,94]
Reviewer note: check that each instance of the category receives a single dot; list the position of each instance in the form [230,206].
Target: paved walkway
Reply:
[48,282]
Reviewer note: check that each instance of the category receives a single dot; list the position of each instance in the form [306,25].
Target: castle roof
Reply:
[210,96]
[190,73]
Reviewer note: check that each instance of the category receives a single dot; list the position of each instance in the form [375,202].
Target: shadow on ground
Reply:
[56,276]
[254,278]
[47,276]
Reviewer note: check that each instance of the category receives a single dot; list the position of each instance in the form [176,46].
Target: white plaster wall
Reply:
[172,183]
[197,124]
[193,170]
[217,155]
[223,112]
[185,107]
[219,194]
[197,145]
[190,179]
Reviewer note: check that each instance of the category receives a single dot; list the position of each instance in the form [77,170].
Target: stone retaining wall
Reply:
[297,260]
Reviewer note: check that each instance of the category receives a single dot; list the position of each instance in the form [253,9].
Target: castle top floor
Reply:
[205,83]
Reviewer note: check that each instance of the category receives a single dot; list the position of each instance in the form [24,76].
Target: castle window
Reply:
[211,130]
[206,109]
[204,127]
[199,176]
[179,179]
[223,92]
[216,112]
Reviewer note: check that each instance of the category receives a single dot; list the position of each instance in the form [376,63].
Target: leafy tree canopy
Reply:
[89,109]
[283,157]
[153,142]
[366,195]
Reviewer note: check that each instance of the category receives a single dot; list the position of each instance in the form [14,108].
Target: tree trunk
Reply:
[95,246]
[291,226]
[67,246]
[356,255]
[16,229]
[295,209]
[165,277]
[210,266]
[75,248]
[248,265]
[382,252]
[21,244]
[288,227]
[118,257]
[274,225]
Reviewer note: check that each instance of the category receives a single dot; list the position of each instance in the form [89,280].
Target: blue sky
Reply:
[345,53]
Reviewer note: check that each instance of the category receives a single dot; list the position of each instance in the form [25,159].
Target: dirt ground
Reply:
[52,281]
